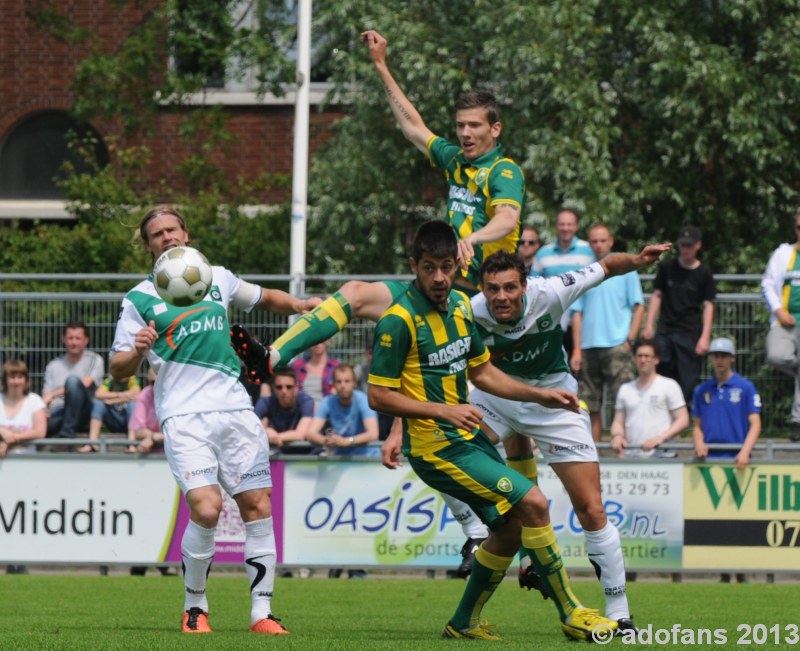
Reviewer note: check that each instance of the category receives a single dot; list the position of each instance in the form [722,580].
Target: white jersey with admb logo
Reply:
[533,346]
[532,350]
[198,370]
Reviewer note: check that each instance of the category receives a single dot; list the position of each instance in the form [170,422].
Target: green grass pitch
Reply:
[122,612]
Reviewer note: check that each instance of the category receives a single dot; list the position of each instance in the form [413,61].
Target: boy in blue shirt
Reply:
[353,425]
[726,408]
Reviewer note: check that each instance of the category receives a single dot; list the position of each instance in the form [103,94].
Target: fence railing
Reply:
[31,325]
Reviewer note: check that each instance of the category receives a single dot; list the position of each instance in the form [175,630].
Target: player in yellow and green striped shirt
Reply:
[426,349]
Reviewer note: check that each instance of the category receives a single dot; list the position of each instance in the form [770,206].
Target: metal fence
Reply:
[31,325]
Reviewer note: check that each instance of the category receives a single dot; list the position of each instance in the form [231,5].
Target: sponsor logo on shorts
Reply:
[484,409]
[202,471]
[254,473]
[504,485]
[567,448]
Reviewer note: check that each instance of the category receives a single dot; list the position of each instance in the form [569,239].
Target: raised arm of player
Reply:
[616,264]
[279,302]
[407,117]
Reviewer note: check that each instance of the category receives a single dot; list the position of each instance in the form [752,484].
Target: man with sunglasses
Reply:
[529,244]
[287,413]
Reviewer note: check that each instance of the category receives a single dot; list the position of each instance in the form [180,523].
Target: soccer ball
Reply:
[182,276]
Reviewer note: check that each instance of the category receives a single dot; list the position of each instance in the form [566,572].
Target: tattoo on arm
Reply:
[394,99]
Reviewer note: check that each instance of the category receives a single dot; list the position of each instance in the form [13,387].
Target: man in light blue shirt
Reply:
[567,253]
[605,324]
[351,424]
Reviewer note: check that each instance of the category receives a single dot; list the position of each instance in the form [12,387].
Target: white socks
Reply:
[605,554]
[471,524]
[260,556]
[197,548]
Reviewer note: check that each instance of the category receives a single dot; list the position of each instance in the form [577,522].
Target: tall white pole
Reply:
[300,156]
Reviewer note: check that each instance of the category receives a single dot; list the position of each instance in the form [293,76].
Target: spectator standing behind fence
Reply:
[287,413]
[529,245]
[113,406]
[726,408]
[605,324]
[23,416]
[567,253]
[144,430]
[314,372]
[683,303]
[344,422]
[780,286]
[70,382]
[649,410]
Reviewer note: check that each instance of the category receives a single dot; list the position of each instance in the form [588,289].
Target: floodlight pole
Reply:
[297,266]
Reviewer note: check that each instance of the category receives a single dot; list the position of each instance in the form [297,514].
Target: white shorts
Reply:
[229,448]
[561,435]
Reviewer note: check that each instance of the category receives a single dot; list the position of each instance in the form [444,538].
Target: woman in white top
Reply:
[22,413]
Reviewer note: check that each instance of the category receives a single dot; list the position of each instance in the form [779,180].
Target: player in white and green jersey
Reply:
[519,320]
[212,436]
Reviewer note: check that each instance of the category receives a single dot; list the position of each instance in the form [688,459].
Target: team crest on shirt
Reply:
[419,322]
[735,396]
[504,485]
[544,322]
[707,397]
[481,175]
[386,340]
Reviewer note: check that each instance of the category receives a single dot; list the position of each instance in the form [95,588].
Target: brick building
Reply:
[36,72]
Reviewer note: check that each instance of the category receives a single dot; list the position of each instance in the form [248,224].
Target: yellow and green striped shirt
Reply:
[425,355]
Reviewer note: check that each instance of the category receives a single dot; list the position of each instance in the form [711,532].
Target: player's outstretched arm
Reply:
[491,379]
[616,264]
[409,120]
[279,302]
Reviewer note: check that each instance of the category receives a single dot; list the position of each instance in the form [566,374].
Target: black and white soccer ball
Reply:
[182,276]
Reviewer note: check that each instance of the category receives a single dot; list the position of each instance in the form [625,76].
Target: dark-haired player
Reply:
[426,350]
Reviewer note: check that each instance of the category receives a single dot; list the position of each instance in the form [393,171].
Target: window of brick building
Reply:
[33,152]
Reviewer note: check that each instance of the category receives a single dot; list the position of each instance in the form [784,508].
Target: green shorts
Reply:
[474,472]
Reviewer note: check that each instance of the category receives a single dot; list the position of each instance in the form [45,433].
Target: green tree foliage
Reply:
[643,115]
